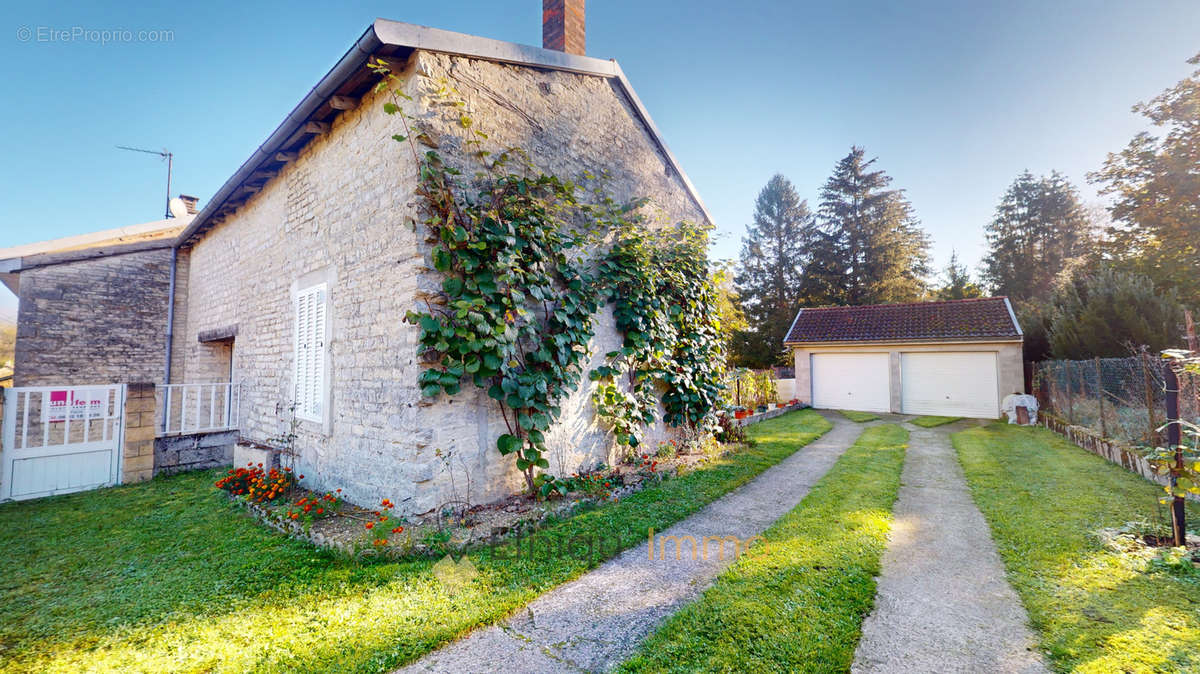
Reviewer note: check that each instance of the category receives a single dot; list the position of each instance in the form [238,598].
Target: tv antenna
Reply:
[165,154]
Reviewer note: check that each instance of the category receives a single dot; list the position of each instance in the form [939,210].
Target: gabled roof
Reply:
[983,319]
[351,78]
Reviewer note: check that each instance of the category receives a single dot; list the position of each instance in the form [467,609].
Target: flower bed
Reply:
[326,520]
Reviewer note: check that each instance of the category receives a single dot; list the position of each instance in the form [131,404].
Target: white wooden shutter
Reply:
[310,353]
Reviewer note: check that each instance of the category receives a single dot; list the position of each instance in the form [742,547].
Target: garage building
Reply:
[954,358]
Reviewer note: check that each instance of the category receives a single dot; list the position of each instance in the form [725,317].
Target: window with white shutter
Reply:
[310,353]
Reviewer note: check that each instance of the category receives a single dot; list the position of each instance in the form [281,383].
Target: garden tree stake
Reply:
[1175,442]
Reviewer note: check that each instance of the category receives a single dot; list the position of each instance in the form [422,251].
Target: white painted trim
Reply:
[907,342]
[790,328]
[1012,314]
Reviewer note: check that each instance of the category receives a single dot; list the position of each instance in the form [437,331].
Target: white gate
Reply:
[60,439]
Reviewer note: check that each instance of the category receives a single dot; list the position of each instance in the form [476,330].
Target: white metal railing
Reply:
[197,408]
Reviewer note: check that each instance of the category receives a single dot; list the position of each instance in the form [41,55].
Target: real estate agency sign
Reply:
[75,404]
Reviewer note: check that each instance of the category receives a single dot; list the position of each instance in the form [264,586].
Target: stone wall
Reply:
[176,453]
[341,214]
[137,461]
[98,321]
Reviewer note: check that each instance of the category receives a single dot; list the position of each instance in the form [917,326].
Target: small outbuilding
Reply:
[954,358]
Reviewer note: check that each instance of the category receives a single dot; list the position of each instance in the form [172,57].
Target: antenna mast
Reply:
[165,154]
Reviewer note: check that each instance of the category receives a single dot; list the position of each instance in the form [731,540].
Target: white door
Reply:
[61,439]
[949,384]
[851,381]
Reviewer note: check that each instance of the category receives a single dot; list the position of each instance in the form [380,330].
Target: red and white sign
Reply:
[78,404]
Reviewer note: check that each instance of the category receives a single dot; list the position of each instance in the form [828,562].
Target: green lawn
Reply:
[169,576]
[860,417]
[933,421]
[1093,610]
[796,602]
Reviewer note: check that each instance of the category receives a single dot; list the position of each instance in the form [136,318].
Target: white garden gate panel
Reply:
[851,381]
[60,439]
[955,384]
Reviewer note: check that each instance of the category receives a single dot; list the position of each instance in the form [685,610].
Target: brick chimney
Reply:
[190,202]
[562,26]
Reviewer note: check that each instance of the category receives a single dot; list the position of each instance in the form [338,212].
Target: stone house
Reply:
[293,280]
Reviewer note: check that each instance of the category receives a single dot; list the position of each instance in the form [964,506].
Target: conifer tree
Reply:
[1039,228]
[873,249]
[774,254]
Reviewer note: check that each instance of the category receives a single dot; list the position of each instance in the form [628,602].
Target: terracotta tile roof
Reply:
[952,320]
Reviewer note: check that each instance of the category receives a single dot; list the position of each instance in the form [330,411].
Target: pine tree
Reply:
[1108,313]
[873,249]
[1039,227]
[1156,185]
[957,283]
[770,275]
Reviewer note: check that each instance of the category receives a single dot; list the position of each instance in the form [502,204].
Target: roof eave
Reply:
[383,33]
[1005,339]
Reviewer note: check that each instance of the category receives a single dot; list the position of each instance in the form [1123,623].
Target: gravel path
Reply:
[943,604]
[596,621]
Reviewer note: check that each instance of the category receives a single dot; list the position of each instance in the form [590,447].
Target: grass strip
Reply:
[1093,609]
[796,602]
[859,417]
[169,576]
[933,421]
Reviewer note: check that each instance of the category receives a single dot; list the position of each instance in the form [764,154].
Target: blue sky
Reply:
[954,98]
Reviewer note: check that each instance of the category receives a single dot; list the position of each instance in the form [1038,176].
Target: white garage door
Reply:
[851,381]
[950,384]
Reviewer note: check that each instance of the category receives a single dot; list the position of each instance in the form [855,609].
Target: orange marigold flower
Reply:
[397,530]
[370,525]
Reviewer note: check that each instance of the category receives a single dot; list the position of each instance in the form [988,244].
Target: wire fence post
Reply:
[1175,442]
[1070,396]
[1100,397]
[1152,429]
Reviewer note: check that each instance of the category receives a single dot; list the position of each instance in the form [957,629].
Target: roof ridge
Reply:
[965,300]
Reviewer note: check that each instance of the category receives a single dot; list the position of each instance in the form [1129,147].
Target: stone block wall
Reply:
[137,462]
[98,321]
[342,213]
[177,453]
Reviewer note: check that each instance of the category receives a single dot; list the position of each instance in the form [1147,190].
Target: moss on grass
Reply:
[169,576]
[933,421]
[796,602]
[1045,499]
[859,417]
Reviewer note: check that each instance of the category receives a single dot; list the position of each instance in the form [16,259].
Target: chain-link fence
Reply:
[1122,399]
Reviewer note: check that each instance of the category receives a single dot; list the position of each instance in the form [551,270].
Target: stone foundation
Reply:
[177,453]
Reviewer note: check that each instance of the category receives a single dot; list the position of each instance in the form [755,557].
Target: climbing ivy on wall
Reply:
[522,283]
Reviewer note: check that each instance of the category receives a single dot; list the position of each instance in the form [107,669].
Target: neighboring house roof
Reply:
[156,234]
[983,319]
[351,78]
[147,231]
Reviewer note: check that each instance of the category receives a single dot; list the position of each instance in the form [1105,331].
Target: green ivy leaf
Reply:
[507,444]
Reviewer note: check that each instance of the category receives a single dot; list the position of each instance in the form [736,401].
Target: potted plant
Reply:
[762,408]
[740,412]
